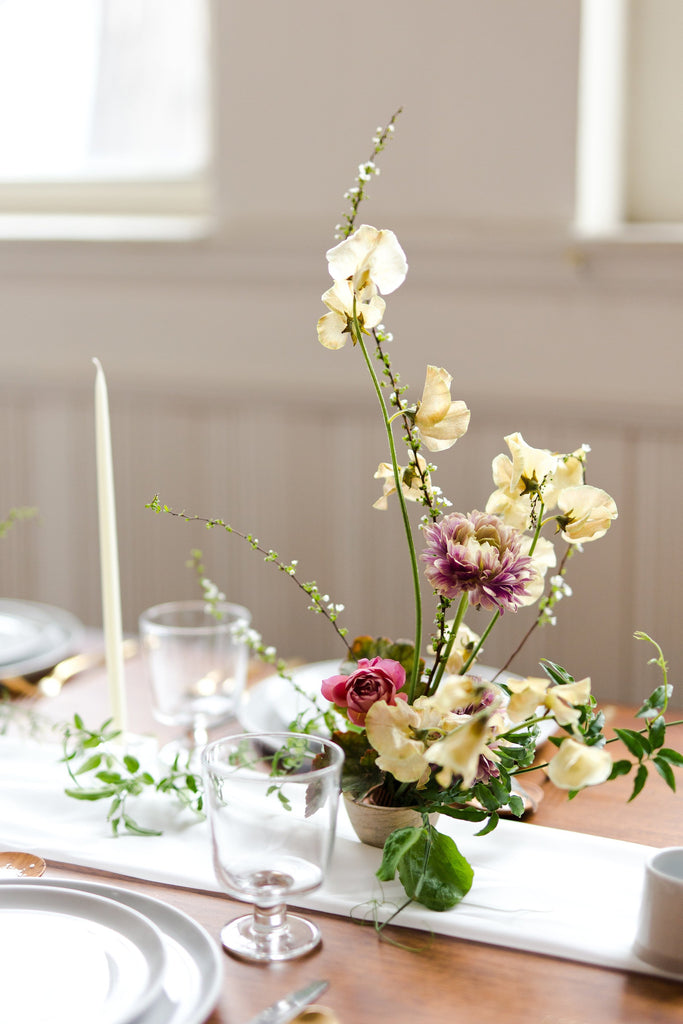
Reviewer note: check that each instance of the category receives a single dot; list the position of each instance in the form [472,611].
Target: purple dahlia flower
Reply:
[480,555]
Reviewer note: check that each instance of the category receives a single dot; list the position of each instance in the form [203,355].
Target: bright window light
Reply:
[94,90]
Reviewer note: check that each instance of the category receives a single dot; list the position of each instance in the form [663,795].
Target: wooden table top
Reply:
[438,979]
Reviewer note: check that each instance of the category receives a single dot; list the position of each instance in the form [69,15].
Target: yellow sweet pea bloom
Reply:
[575,765]
[543,558]
[333,327]
[562,701]
[440,421]
[588,512]
[410,482]
[390,729]
[525,697]
[459,751]
[466,639]
[372,255]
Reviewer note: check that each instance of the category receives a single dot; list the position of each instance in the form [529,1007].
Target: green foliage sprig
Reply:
[15,515]
[320,603]
[117,776]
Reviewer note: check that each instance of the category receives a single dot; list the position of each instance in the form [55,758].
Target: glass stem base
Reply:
[269,934]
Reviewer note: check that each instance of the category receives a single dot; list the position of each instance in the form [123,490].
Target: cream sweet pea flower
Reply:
[334,327]
[543,558]
[369,254]
[570,470]
[588,513]
[512,500]
[458,752]
[390,730]
[513,509]
[563,701]
[465,641]
[456,693]
[528,463]
[440,421]
[525,697]
[575,765]
[410,482]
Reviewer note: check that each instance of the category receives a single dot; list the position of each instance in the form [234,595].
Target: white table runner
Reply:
[538,889]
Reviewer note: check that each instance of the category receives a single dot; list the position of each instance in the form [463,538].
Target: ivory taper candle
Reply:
[109,554]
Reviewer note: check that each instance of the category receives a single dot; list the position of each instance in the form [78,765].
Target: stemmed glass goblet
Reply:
[197,659]
[271,800]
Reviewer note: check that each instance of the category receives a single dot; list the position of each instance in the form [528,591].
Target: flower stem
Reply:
[480,642]
[404,512]
[445,654]
[311,589]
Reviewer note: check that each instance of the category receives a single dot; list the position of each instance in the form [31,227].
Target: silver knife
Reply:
[287,1008]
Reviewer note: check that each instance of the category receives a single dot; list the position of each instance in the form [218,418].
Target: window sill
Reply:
[631,235]
[103,228]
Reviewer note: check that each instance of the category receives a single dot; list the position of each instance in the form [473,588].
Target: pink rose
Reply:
[374,680]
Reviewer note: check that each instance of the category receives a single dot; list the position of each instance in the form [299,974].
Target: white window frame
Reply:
[150,207]
[601,162]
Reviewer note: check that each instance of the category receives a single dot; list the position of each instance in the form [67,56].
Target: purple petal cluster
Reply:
[480,555]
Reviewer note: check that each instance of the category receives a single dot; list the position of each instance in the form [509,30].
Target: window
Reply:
[630,137]
[104,105]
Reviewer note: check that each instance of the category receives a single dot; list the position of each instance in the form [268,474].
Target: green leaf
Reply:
[78,721]
[111,778]
[466,813]
[88,766]
[672,756]
[358,773]
[640,780]
[395,848]
[486,797]
[634,742]
[657,733]
[91,794]
[489,826]
[620,768]
[666,771]
[516,805]
[555,672]
[434,872]
[132,826]
[655,702]
[131,763]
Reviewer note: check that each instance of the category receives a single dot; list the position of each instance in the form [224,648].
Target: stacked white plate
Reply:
[77,952]
[34,637]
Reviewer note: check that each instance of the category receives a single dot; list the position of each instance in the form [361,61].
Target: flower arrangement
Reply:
[418,724]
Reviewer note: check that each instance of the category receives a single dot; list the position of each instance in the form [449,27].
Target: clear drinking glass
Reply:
[271,800]
[197,666]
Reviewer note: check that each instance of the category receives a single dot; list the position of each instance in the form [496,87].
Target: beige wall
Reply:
[223,400]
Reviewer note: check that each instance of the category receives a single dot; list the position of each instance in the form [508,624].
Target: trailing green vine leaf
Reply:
[100,769]
[431,868]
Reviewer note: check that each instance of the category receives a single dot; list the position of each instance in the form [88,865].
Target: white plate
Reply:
[271,704]
[192,977]
[34,636]
[74,958]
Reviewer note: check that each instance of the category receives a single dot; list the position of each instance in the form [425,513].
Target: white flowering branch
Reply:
[320,603]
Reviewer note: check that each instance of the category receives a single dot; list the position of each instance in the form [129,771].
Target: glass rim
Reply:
[239,614]
[225,770]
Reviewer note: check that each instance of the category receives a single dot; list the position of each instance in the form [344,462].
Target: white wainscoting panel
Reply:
[297,473]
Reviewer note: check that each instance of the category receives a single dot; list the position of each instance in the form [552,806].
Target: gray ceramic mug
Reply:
[659,938]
